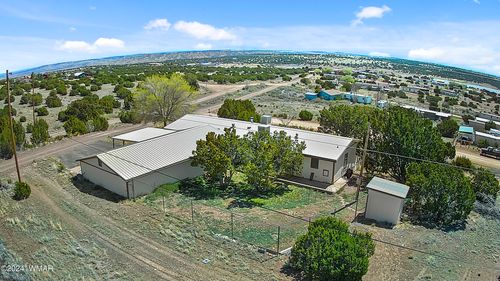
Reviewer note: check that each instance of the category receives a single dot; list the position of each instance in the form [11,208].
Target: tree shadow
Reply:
[287,270]
[88,187]
[241,193]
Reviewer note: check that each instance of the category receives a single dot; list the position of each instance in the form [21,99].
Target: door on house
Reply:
[311,177]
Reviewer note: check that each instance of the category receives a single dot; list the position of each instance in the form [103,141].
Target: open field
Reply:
[87,232]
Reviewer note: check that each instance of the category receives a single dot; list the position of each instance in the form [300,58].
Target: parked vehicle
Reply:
[491,152]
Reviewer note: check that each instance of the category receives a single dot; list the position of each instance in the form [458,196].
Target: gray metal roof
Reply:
[150,155]
[317,144]
[143,134]
[389,187]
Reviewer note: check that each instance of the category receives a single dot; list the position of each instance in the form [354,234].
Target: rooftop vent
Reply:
[265,119]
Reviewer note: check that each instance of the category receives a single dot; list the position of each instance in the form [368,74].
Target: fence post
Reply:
[192,212]
[232,225]
[278,246]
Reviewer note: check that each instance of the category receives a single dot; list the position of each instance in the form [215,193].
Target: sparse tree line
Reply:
[407,147]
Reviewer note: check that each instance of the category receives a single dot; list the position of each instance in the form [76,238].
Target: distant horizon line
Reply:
[2,74]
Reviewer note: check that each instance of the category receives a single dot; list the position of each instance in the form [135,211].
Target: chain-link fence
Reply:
[266,230]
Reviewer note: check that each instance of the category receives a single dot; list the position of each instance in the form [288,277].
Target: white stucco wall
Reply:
[91,171]
[341,166]
[318,173]
[147,183]
[383,207]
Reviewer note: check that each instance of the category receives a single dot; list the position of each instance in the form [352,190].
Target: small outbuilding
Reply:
[311,96]
[385,200]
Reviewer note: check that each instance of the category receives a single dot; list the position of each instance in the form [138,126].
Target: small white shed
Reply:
[385,200]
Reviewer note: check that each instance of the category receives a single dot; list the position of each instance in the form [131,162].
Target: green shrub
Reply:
[439,195]
[75,126]
[21,191]
[328,251]
[29,128]
[40,132]
[462,161]
[305,115]
[485,182]
[53,101]
[129,117]
[99,124]
[42,111]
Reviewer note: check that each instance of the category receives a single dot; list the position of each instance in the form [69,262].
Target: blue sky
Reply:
[455,32]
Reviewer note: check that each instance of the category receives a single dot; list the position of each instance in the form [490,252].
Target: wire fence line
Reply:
[269,231]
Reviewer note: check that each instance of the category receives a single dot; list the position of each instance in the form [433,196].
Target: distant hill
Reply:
[132,59]
[404,65]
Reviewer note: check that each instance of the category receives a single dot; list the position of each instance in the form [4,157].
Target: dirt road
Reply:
[220,90]
[63,146]
[270,87]
[141,251]
[473,155]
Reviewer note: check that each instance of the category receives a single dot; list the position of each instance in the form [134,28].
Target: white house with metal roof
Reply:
[326,157]
[140,135]
[137,169]
[385,200]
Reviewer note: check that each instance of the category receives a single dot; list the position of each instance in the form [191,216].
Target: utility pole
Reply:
[33,95]
[360,179]
[13,138]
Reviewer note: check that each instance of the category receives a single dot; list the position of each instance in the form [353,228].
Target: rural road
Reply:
[63,147]
[473,155]
[269,88]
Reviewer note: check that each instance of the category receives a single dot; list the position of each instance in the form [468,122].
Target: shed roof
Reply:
[389,187]
[143,134]
[150,155]
[317,144]
[466,129]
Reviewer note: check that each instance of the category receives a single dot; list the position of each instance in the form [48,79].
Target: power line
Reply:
[375,239]
[362,149]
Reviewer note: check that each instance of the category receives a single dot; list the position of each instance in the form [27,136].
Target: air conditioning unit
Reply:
[265,119]
[264,128]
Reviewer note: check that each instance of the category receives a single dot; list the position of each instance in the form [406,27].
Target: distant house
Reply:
[329,96]
[162,157]
[311,96]
[466,134]
[415,89]
[385,200]
[430,114]
[79,74]
[382,104]
[449,93]
[358,98]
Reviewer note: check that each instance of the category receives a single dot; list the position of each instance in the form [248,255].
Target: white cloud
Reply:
[477,2]
[72,29]
[109,43]
[100,45]
[370,12]
[203,46]
[158,24]
[379,54]
[475,56]
[203,31]
[92,8]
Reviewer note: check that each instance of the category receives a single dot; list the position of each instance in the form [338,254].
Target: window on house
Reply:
[314,163]
[346,158]
[326,173]
[99,162]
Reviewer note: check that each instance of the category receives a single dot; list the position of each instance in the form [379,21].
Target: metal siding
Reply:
[101,176]
[147,183]
[143,134]
[383,207]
